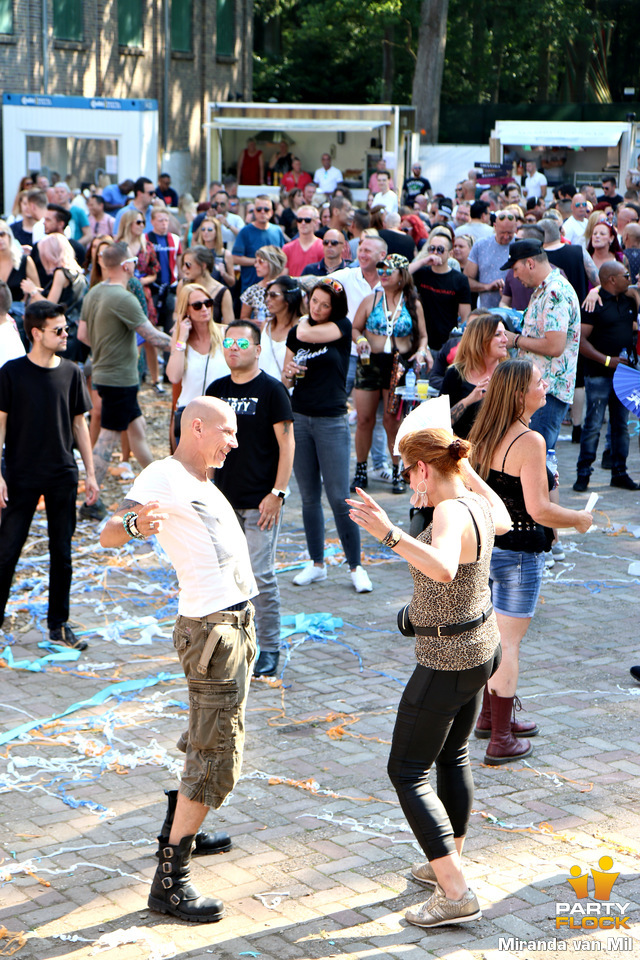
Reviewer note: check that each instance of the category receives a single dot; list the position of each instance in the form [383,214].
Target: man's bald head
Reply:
[208,409]
[611,274]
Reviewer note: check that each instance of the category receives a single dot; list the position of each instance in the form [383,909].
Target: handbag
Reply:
[404,623]
[397,373]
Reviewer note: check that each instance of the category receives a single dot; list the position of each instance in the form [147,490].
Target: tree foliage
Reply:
[497,51]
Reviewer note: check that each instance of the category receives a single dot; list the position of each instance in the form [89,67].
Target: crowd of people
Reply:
[264,317]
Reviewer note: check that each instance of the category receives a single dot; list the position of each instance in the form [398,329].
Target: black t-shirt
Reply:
[612,330]
[400,243]
[613,201]
[413,187]
[249,472]
[570,259]
[457,389]
[40,403]
[441,295]
[22,236]
[322,391]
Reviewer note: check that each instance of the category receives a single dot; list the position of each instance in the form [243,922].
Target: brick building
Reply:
[118,48]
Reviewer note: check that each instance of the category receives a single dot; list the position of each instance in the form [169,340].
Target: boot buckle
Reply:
[167,883]
[167,852]
[166,867]
[174,899]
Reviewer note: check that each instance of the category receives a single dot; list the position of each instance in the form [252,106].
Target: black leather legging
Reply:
[435,719]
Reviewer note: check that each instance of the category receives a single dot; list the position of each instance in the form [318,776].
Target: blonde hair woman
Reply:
[270,264]
[209,235]
[15,267]
[482,347]
[196,358]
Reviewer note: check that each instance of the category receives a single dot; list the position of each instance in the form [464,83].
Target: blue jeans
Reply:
[516,579]
[262,551]
[548,420]
[322,455]
[600,395]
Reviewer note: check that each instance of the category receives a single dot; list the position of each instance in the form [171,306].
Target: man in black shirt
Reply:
[333,244]
[256,474]
[609,192]
[43,399]
[444,292]
[604,334]
[56,220]
[414,186]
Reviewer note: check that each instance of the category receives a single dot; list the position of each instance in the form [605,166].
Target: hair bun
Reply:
[459,449]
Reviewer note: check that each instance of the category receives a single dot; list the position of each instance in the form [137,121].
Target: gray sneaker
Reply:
[439,911]
[424,874]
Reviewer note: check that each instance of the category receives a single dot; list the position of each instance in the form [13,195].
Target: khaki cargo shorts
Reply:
[214,741]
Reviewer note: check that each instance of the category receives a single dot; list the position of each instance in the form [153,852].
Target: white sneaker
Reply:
[383,473]
[310,574]
[549,559]
[360,580]
[557,551]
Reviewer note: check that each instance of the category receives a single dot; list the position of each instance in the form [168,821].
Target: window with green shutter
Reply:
[130,23]
[182,26]
[6,16]
[226,33]
[67,20]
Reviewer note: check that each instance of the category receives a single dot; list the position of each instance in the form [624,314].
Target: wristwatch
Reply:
[278,493]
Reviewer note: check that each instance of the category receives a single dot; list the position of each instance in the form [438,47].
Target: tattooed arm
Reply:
[153,336]
[150,520]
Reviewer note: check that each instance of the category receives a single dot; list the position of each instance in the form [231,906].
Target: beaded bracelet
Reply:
[129,522]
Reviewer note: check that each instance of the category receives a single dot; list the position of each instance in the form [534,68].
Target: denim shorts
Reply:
[515,579]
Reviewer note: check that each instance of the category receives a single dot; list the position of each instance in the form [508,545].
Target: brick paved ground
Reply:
[321,856]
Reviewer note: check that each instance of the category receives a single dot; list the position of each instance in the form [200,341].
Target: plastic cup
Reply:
[300,372]
[422,387]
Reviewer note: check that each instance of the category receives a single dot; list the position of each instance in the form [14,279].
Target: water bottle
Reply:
[410,384]
[624,355]
[262,314]
[552,466]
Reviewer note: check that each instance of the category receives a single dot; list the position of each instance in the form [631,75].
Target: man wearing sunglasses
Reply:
[43,399]
[255,475]
[306,248]
[332,245]
[483,268]
[444,293]
[575,225]
[259,233]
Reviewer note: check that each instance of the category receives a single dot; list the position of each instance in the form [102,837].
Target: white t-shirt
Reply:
[10,343]
[574,229]
[202,537]
[202,369]
[327,180]
[388,200]
[272,355]
[228,236]
[533,185]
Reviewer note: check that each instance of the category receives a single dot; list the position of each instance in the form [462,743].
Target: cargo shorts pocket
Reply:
[213,714]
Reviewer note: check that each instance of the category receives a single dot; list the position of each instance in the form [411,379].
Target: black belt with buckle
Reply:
[451,629]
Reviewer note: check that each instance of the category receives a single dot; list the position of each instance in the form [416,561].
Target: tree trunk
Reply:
[388,66]
[427,79]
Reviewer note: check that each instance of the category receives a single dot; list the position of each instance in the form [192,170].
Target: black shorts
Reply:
[376,375]
[119,407]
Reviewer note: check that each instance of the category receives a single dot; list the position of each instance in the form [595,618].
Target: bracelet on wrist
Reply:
[362,340]
[130,524]
[180,346]
[516,338]
[607,361]
[392,538]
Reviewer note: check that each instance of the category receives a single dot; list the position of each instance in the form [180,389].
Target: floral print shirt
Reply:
[554,305]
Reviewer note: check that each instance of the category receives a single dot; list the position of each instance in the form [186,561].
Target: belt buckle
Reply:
[439,628]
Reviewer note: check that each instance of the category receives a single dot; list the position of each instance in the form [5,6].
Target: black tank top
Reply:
[526,536]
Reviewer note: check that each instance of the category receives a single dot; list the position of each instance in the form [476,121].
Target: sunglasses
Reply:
[385,271]
[433,249]
[580,204]
[130,260]
[199,304]
[335,286]
[242,342]
[218,205]
[186,265]
[300,219]
[406,473]
[271,294]
[332,243]
[59,331]
[505,216]
[139,223]
[262,209]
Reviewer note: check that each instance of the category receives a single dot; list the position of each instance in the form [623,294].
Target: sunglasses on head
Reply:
[434,249]
[335,286]
[199,304]
[242,342]
[332,243]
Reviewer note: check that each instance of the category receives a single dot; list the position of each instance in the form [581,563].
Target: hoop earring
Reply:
[420,497]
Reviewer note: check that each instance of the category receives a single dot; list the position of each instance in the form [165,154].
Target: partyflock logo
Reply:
[605,914]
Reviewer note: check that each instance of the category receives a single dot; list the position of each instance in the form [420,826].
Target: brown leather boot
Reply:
[503,746]
[519,728]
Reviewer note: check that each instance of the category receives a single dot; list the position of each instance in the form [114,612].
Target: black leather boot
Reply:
[172,890]
[206,843]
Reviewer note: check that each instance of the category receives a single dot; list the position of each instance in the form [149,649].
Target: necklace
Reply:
[391,319]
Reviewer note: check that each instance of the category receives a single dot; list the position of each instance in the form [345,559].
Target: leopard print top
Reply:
[463,599]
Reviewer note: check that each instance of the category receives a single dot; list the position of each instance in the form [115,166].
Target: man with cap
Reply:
[550,335]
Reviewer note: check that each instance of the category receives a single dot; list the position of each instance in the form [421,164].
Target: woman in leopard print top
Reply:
[457,647]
